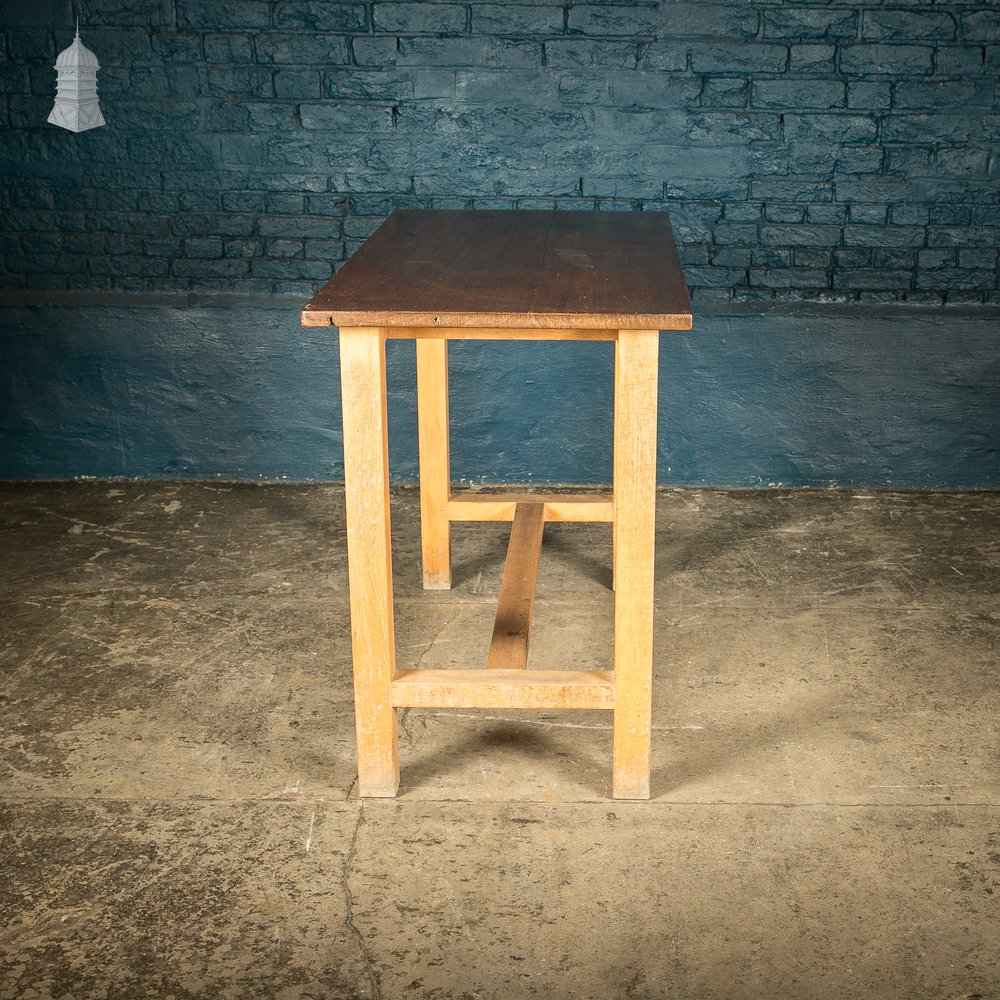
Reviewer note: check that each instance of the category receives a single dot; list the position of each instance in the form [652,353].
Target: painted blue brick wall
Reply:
[838,151]
[814,156]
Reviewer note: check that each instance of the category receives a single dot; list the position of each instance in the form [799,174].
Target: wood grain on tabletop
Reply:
[590,270]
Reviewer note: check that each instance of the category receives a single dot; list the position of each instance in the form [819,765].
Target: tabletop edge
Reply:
[500,321]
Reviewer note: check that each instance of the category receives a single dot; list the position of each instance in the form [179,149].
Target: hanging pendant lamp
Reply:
[76,106]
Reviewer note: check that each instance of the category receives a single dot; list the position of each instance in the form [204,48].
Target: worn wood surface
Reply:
[529,269]
[635,516]
[503,689]
[512,627]
[369,557]
[435,468]
[578,507]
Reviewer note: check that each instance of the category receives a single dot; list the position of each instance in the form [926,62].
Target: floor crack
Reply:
[437,635]
[404,727]
[345,877]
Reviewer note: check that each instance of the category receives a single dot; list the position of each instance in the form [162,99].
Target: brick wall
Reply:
[806,151]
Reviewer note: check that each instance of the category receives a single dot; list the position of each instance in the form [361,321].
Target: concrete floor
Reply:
[177,816]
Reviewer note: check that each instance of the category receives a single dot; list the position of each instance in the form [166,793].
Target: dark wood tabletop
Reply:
[511,269]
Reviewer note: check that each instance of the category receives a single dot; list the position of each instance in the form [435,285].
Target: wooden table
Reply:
[436,276]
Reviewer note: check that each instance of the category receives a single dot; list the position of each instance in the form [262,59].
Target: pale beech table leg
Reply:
[435,471]
[635,513]
[366,479]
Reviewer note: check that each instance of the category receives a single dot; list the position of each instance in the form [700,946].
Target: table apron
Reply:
[494,333]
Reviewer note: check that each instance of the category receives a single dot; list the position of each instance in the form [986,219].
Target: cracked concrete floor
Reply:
[176,810]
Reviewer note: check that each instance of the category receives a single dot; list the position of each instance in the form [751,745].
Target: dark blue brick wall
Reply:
[835,151]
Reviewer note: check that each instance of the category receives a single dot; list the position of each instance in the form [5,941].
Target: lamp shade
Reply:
[76,106]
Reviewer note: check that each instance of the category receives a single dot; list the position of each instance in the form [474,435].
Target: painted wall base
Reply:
[238,391]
